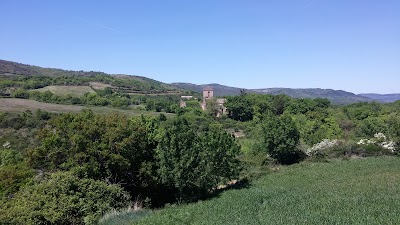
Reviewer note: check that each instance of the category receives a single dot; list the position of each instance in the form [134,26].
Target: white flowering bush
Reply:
[365,142]
[379,139]
[7,145]
[324,144]
[380,136]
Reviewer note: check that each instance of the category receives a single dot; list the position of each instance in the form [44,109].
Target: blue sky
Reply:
[352,45]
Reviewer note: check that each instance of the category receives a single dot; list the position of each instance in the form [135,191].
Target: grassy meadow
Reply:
[355,191]
[75,91]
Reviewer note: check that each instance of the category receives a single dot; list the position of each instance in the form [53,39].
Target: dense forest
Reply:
[73,168]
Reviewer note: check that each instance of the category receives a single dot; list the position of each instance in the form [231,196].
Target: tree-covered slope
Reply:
[13,70]
[335,96]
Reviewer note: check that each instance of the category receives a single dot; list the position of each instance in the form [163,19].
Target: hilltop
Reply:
[129,83]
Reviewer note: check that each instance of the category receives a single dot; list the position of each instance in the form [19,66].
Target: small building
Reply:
[221,105]
[208,93]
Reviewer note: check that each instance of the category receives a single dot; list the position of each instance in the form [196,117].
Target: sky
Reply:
[351,45]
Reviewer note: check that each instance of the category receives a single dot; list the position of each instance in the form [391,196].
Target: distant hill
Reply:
[382,97]
[219,90]
[143,85]
[14,68]
[121,81]
[335,96]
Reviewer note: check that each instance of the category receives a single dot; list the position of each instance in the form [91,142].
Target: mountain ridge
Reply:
[9,68]
[335,96]
[382,97]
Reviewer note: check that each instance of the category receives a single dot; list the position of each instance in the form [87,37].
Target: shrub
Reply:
[21,94]
[281,139]
[63,198]
[13,177]
[348,149]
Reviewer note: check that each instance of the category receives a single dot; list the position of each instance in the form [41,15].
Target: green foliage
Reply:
[280,102]
[13,177]
[370,126]
[240,108]
[9,156]
[306,105]
[194,163]
[281,139]
[360,111]
[19,129]
[63,198]
[14,172]
[94,99]
[248,106]
[162,117]
[168,104]
[393,124]
[110,147]
[21,94]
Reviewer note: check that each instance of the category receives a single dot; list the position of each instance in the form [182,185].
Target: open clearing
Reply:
[358,191]
[99,86]
[21,105]
[75,91]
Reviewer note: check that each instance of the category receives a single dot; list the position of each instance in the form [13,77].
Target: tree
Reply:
[192,163]
[240,108]
[280,103]
[281,138]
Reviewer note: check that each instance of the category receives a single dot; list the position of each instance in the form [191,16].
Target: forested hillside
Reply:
[335,96]
[41,77]
[86,88]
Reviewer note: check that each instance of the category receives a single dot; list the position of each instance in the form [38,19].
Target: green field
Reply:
[357,191]
[75,91]
[21,105]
